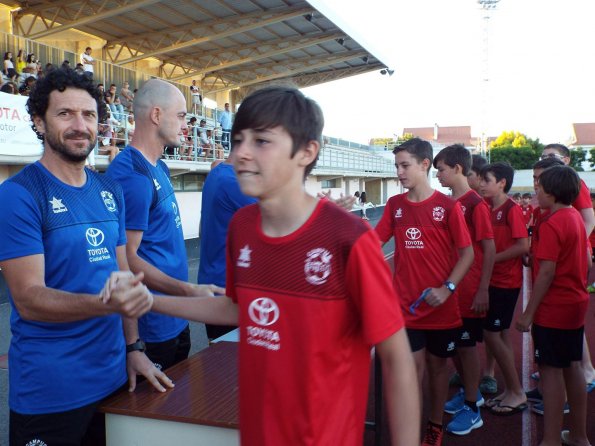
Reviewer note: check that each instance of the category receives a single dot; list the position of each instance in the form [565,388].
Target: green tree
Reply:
[592,163]
[577,156]
[517,149]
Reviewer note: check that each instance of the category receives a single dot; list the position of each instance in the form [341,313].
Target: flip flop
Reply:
[535,376]
[590,386]
[511,410]
[492,402]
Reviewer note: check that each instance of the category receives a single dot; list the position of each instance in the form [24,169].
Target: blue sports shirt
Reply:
[221,198]
[55,367]
[151,207]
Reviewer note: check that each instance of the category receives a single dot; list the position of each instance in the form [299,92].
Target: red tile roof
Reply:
[584,134]
[446,135]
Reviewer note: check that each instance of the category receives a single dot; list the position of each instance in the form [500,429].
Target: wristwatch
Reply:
[450,286]
[138,346]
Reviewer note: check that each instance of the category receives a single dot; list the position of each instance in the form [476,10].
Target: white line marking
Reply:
[526,361]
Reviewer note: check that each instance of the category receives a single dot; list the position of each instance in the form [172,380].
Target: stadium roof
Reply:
[229,44]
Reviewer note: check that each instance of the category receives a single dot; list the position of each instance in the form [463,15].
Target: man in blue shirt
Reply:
[155,240]
[225,121]
[61,245]
[221,198]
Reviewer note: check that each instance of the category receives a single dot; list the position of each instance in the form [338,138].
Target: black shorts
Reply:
[167,353]
[82,426]
[502,303]
[471,332]
[557,347]
[441,343]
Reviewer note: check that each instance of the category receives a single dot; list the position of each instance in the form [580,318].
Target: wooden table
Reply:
[201,410]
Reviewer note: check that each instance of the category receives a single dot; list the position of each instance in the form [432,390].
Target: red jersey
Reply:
[427,236]
[583,201]
[477,217]
[508,224]
[562,239]
[527,212]
[311,305]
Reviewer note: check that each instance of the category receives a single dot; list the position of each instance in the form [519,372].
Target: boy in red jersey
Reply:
[473,177]
[310,290]
[558,305]
[453,164]
[429,230]
[526,208]
[510,236]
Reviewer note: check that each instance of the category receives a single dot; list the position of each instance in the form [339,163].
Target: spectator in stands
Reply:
[204,140]
[9,87]
[113,101]
[225,121]
[79,68]
[126,96]
[87,61]
[130,126]
[66,65]
[32,65]
[48,67]
[21,63]
[9,70]
[196,98]
[25,89]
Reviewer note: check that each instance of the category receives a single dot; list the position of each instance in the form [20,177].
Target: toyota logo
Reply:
[94,236]
[263,311]
[413,233]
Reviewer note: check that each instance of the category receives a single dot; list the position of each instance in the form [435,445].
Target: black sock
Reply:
[472,405]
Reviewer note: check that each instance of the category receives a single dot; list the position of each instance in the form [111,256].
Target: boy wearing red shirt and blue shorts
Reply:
[558,305]
[433,253]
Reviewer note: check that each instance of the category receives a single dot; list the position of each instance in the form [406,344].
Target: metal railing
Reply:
[352,160]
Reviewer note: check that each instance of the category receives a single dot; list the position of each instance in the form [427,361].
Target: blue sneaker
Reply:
[464,421]
[457,402]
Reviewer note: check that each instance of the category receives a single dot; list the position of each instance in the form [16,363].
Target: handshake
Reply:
[125,293]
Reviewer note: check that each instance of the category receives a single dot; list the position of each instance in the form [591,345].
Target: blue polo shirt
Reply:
[55,367]
[151,207]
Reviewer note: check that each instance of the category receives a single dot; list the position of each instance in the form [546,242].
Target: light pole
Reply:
[487,6]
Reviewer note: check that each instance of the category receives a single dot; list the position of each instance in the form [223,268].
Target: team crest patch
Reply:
[399,213]
[108,200]
[57,206]
[36,442]
[499,215]
[244,258]
[318,266]
[464,209]
[438,213]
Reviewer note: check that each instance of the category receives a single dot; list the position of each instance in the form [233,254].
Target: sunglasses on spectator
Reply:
[551,155]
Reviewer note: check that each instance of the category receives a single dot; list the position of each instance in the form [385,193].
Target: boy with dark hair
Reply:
[516,197]
[473,177]
[305,347]
[429,230]
[558,305]
[510,235]
[453,164]
[526,208]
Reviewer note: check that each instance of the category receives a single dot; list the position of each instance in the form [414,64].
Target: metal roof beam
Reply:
[84,18]
[289,73]
[296,44]
[256,22]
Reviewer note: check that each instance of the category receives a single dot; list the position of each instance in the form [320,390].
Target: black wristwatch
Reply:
[450,286]
[138,346]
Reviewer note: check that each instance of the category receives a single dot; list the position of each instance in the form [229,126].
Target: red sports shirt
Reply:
[583,201]
[311,305]
[562,239]
[508,224]
[477,217]
[427,236]
[527,211]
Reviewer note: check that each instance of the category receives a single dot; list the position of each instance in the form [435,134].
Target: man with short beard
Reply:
[155,243]
[62,244]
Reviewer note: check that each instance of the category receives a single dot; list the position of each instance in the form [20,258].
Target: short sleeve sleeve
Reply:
[549,245]
[516,222]
[583,201]
[384,228]
[20,223]
[458,227]
[482,223]
[138,196]
[376,299]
